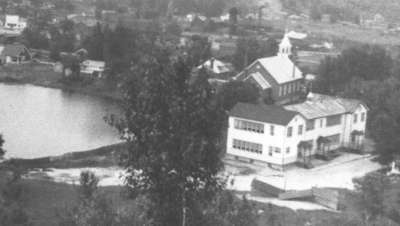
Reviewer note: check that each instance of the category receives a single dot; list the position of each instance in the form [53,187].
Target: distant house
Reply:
[217,68]
[280,136]
[92,67]
[278,78]
[14,54]
[15,22]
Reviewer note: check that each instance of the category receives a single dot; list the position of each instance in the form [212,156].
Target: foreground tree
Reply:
[94,208]
[173,127]
[12,212]
[371,195]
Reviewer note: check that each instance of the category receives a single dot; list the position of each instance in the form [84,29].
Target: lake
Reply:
[38,122]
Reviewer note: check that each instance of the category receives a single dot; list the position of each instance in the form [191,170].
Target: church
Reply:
[279,80]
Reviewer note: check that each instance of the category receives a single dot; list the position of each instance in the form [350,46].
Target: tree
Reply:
[371,192]
[364,62]
[199,51]
[94,44]
[94,208]
[249,50]
[233,14]
[173,127]
[11,193]
[236,91]
[2,151]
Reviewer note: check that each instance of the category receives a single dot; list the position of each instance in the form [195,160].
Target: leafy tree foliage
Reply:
[94,44]
[236,91]
[209,8]
[173,127]
[11,194]
[94,208]
[248,50]
[364,62]
[199,50]
[371,191]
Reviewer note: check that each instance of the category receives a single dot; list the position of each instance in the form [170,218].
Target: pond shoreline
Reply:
[43,76]
[107,156]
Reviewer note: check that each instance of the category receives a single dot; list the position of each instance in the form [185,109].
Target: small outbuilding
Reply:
[14,54]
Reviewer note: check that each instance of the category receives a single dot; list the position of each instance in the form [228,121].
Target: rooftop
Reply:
[217,66]
[281,68]
[319,105]
[263,113]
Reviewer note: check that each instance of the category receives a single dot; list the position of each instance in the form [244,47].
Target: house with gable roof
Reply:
[277,77]
[14,54]
[283,135]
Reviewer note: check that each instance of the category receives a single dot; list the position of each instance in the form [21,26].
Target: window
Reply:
[321,123]
[289,131]
[300,129]
[247,146]
[249,126]
[288,150]
[270,150]
[333,120]
[363,117]
[310,124]
[335,139]
[284,90]
[277,150]
[271,130]
[280,90]
[289,88]
[355,118]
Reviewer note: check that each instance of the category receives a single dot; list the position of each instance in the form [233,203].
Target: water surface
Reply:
[37,121]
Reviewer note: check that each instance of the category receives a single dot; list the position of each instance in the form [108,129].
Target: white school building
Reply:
[279,135]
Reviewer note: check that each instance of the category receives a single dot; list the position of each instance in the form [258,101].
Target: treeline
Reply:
[317,8]
[370,74]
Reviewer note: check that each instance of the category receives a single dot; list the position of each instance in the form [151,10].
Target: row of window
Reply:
[247,146]
[355,117]
[310,124]
[330,121]
[289,88]
[252,126]
[249,126]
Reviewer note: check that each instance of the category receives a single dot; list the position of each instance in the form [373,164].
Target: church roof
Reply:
[281,68]
[261,81]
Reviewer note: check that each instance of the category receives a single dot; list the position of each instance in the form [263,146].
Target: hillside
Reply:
[390,9]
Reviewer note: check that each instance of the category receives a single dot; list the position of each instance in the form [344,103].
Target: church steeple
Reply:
[285,47]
